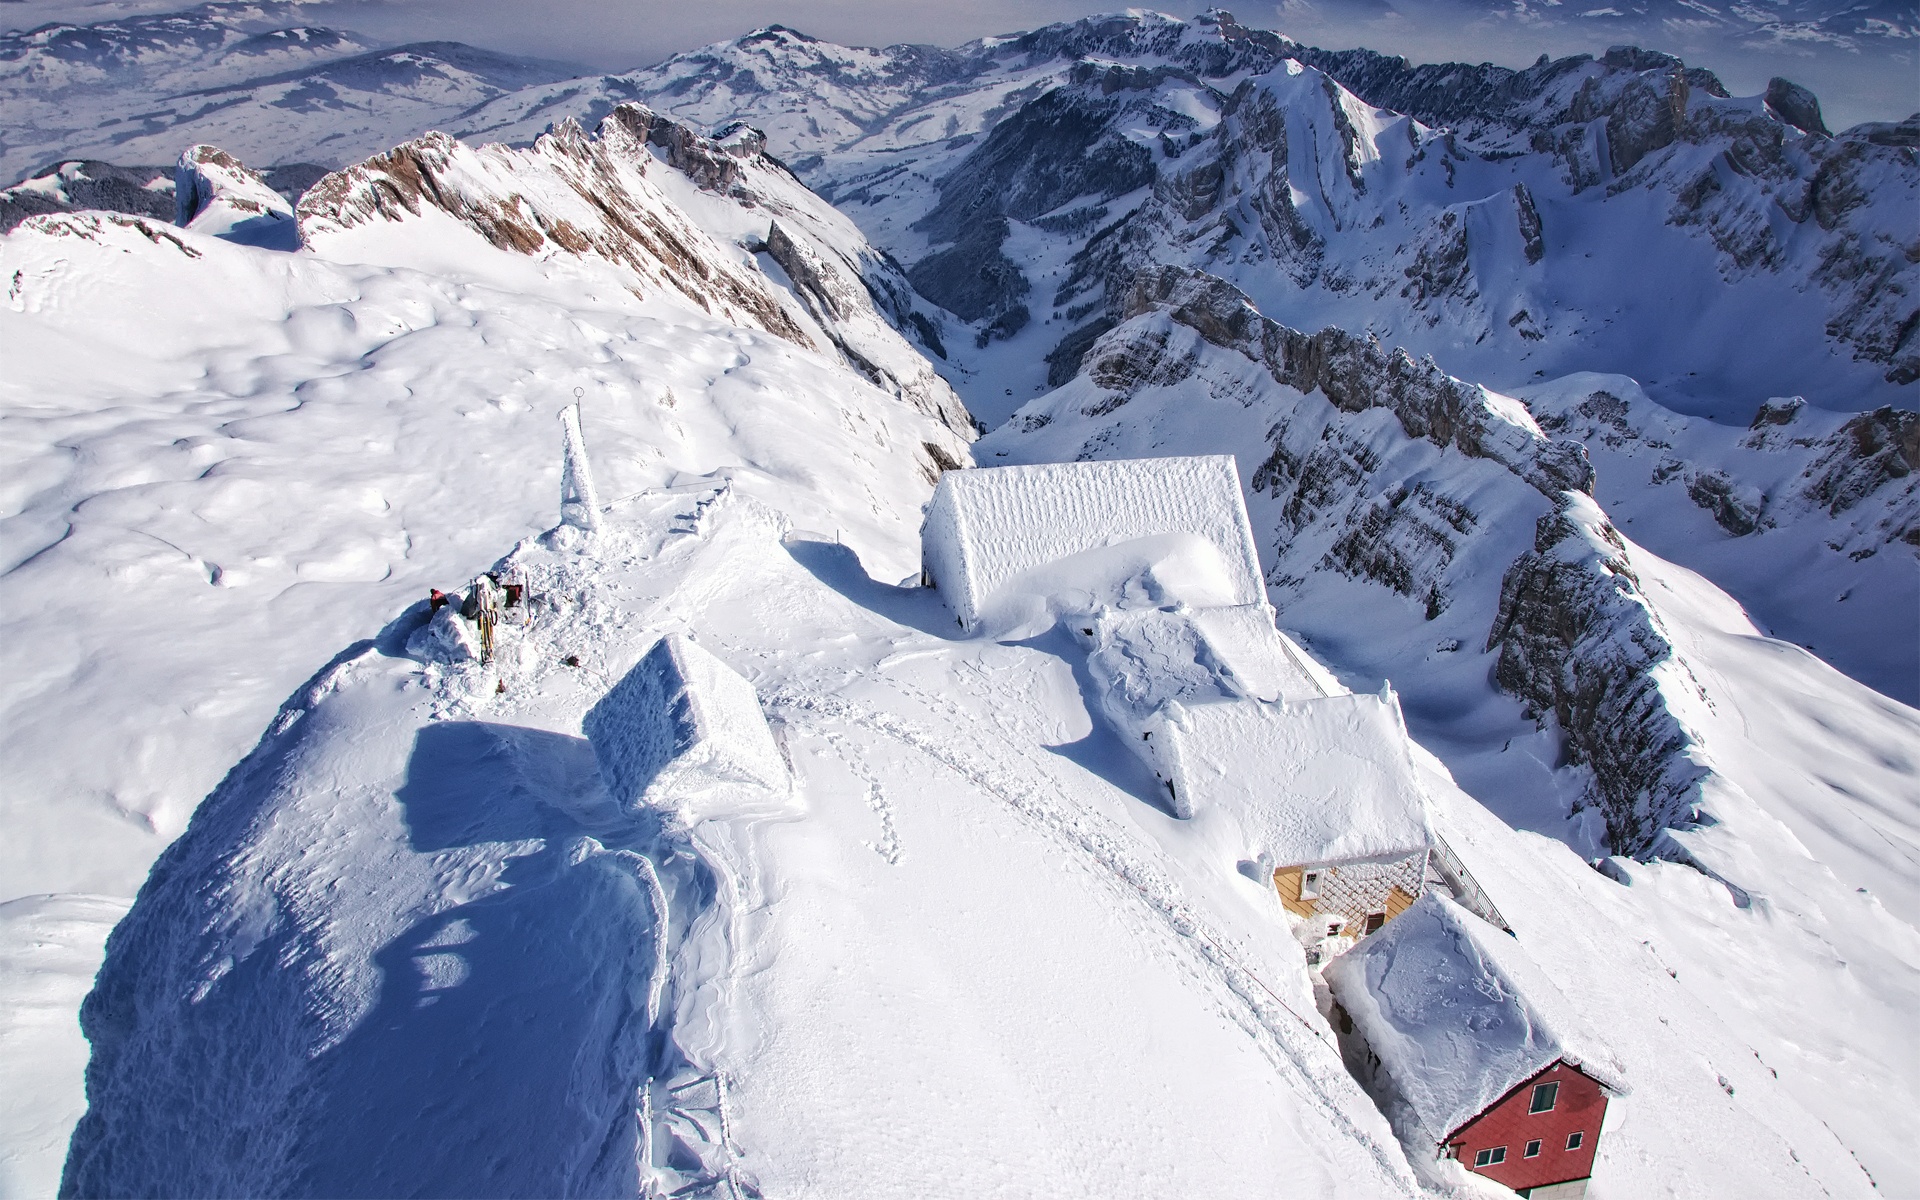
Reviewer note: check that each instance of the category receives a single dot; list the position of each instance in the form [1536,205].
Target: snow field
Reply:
[217,446]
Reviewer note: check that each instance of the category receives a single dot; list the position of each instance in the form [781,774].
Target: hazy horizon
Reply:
[607,35]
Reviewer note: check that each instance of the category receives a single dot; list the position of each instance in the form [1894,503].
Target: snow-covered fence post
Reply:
[579,503]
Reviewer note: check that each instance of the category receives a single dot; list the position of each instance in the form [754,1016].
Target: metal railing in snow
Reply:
[1466,888]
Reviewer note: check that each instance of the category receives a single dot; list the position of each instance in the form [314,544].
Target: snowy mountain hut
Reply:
[683,734]
[1327,788]
[1080,534]
[1451,1015]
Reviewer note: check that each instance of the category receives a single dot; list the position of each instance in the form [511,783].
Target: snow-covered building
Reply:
[1449,1016]
[1327,788]
[682,733]
[1153,560]
[1080,536]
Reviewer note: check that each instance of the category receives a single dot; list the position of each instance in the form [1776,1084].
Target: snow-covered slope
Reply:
[214,445]
[409,942]
[246,76]
[1619,215]
[414,906]
[1622,214]
[1409,534]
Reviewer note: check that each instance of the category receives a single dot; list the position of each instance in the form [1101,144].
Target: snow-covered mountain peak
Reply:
[218,194]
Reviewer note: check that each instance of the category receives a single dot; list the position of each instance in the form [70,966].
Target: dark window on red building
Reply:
[1488,1158]
[1532,1150]
[1544,1095]
[1574,1139]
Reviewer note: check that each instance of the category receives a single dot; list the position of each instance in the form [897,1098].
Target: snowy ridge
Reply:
[216,194]
[493,192]
[423,936]
[421,854]
[608,197]
[1356,374]
[302,451]
[144,191]
[1027,178]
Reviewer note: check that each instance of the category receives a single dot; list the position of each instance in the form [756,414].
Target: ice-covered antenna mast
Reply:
[579,503]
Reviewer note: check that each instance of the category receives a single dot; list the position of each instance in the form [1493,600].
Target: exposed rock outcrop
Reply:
[598,204]
[1578,641]
[1870,451]
[1357,373]
[600,198]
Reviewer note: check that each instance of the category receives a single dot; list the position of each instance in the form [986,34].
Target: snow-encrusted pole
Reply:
[579,503]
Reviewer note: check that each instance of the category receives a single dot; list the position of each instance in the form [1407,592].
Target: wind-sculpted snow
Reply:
[683,735]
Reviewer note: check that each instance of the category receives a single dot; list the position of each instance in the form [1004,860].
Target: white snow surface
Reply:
[1798,954]
[1458,1014]
[1080,536]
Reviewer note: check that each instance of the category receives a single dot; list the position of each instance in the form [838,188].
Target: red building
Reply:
[1544,1131]
[1451,1015]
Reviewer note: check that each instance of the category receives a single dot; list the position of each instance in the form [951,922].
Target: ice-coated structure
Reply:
[683,733]
[1083,535]
[1458,1015]
[579,502]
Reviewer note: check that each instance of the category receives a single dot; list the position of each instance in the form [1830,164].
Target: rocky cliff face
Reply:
[1637,118]
[1465,209]
[1356,374]
[596,203]
[1579,643]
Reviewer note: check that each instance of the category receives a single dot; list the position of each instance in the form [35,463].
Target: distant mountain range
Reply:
[141,89]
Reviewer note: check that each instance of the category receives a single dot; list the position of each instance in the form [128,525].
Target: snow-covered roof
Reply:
[1458,1014]
[1080,535]
[1323,781]
[682,732]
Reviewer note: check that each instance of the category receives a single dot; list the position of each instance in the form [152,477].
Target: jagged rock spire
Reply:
[579,503]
